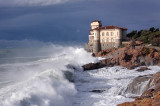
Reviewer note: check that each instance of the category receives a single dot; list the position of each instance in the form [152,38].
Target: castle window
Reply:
[102,33]
[102,40]
[111,33]
[112,39]
[107,40]
[107,34]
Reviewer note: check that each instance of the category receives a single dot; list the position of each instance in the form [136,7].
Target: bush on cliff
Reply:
[151,36]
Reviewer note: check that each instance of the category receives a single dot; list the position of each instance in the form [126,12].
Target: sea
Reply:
[51,74]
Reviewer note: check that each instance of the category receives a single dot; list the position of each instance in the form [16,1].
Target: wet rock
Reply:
[138,85]
[92,66]
[97,91]
[151,96]
[69,76]
[141,69]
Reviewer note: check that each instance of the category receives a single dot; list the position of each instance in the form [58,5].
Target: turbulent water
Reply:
[35,77]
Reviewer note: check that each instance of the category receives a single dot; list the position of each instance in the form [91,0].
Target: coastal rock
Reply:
[141,69]
[97,91]
[105,52]
[151,96]
[127,57]
[138,85]
[92,66]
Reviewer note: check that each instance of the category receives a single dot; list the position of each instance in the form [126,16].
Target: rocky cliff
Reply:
[132,57]
[127,57]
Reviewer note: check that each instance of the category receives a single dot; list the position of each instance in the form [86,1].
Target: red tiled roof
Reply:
[110,27]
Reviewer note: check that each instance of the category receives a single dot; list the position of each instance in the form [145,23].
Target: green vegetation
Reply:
[151,36]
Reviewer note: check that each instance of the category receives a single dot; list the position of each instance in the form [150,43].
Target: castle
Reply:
[101,38]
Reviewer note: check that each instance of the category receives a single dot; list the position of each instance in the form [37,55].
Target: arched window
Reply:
[107,34]
[102,33]
[111,33]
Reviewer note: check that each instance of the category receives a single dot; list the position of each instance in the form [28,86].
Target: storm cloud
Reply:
[69,20]
[31,2]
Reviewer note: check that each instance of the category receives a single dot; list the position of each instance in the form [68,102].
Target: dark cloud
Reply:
[71,21]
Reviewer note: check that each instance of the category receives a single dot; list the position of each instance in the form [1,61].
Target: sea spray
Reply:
[111,80]
[42,82]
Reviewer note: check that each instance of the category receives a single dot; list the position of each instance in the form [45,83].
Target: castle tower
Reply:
[96,24]
[96,44]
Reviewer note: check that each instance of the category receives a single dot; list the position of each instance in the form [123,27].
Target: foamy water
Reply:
[42,82]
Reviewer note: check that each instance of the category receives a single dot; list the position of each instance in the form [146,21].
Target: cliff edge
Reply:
[129,57]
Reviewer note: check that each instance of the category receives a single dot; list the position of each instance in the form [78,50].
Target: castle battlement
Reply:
[101,38]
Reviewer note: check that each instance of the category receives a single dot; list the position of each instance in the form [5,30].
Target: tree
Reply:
[132,33]
[157,30]
[152,29]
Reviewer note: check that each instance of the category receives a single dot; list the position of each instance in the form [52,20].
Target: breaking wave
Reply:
[52,76]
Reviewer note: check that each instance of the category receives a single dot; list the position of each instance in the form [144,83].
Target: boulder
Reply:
[151,96]
[92,66]
[137,86]
[97,91]
[141,69]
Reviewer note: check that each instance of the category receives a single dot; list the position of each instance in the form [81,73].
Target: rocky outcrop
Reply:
[138,85]
[104,53]
[92,66]
[141,69]
[128,57]
[151,96]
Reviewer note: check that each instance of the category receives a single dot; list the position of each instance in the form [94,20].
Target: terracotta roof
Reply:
[110,27]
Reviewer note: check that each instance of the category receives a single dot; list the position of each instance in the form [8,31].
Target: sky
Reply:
[69,20]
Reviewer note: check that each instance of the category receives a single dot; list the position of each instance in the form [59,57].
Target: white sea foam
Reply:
[111,80]
[42,82]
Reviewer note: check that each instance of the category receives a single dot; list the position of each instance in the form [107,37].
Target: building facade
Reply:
[101,38]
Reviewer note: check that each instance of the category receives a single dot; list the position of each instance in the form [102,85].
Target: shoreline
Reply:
[141,58]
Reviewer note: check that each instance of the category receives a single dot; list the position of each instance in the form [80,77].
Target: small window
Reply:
[107,34]
[111,33]
[102,40]
[107,40]
[111,39]
[102,33]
